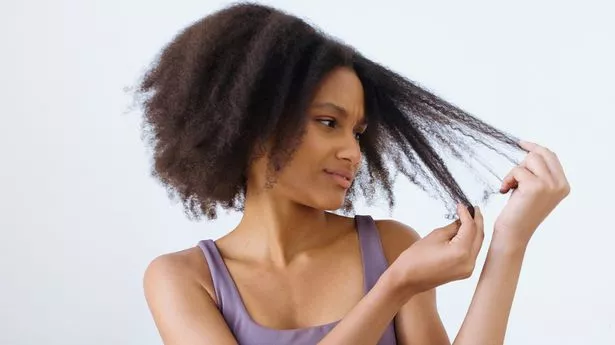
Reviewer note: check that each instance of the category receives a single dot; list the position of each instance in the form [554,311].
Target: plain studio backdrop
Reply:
[81,217]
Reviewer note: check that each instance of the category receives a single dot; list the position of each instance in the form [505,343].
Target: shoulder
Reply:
[177,295]
[418,321]
[395,237]
[178,271]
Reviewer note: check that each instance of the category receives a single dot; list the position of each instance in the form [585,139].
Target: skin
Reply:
[287,246]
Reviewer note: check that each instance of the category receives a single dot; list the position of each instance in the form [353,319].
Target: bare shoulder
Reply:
[418,321]
[179,297]
[185,269]
[395,237]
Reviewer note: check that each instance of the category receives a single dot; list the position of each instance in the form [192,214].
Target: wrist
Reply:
[508,246]
[395,286]
[516,236]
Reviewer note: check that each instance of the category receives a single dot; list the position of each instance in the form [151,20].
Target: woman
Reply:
[252,109]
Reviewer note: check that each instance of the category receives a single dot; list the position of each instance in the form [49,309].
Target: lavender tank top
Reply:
[248,332]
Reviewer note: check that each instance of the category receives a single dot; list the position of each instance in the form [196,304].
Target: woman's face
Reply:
[330,145]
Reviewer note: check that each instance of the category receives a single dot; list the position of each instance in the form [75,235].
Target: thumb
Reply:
[467,230]
[447,232]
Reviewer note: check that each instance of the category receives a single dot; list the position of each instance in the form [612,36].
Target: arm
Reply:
[418,321]
[182,309]
[487,317]
[538,185]
[428,262]
[366,322]
[416,316]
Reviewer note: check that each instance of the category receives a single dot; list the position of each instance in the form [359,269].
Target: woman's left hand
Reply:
[539,184]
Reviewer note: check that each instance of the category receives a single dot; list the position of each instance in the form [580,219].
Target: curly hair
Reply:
[246,74]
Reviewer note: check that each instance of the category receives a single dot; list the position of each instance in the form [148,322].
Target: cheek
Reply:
[312,149]
[307,162]
[315,143]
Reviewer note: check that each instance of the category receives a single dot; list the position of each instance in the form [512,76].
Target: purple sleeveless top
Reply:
[248,332]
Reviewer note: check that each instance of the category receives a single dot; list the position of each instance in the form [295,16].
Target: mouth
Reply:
[340,179]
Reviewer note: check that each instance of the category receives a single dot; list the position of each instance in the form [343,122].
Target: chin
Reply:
[329,199]
[329,203]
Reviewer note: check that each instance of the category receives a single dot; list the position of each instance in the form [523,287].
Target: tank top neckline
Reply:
[361,224]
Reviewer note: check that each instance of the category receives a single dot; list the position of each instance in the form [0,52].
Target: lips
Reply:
[340,176]
[347,175]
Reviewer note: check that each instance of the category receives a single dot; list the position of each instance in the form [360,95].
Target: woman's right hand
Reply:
[446,254]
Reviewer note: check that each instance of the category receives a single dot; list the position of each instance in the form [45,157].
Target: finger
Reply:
[507,184]
[535,163]
[446,233]
[467,231]
[471,210]
[509,181]
[480,232]
[549,156]
[515,176]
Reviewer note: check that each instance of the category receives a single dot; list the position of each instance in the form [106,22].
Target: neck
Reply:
[280,230]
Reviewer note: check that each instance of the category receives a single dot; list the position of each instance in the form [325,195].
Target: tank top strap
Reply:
[372,253]
[374,264]
[227,295]
[246,331]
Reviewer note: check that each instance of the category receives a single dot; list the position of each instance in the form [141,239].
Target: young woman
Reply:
[252,109]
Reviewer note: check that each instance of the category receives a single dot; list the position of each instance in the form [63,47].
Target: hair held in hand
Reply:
[247,73]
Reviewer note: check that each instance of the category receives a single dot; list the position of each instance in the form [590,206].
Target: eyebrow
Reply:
[338,109]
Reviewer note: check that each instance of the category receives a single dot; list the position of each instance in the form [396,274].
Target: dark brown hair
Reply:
[246,74]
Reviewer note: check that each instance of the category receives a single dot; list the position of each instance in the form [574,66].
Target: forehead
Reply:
[343,88]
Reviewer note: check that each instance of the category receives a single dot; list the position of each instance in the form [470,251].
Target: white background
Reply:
[81,218]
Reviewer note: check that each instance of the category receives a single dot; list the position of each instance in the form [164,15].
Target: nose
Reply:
[350,149]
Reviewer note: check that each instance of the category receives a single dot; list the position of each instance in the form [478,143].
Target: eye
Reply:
[328,120]
[333,123]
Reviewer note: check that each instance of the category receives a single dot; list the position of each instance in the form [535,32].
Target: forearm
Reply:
[487,318]
[366,322]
